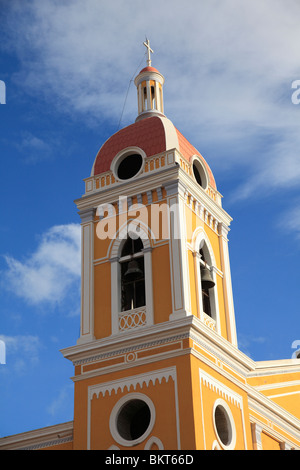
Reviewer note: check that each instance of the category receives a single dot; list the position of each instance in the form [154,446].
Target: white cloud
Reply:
[48,274]
[229,66]
[290,222]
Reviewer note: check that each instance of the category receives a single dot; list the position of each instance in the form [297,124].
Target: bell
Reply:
[133,272]
[206,279]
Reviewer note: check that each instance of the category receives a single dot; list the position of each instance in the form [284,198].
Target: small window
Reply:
[129,166]
[224,425]
[132,419]
[199,173]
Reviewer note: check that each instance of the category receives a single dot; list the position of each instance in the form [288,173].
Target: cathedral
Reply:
[157,364]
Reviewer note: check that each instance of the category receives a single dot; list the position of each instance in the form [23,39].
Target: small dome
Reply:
[149,69]
[153,135]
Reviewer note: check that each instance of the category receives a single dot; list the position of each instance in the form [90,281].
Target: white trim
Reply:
[284,394]
[154,440]
[121,156]
[230,422]
[226,393]
[125,384]
[170,134]
[39,438]
[115,250]
[202,170]
[199,240]
[256,431]
[227,283]
[175,261]
[115,414]
[87,283]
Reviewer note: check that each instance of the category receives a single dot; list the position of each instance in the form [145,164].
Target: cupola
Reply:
[149,83]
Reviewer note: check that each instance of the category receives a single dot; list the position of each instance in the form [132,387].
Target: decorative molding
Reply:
[39,438]
[130,349]
[256,436]
[113,421]
[221,389]
[224,392]
[87,215]
[154,441]
[43,445]
[230,423]
[125,384]
[128,382]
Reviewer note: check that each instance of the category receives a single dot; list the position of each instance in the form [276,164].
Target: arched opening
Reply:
[132,275]
[207,283]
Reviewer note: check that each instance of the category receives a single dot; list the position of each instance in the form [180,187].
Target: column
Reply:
[227,285]
[87,276]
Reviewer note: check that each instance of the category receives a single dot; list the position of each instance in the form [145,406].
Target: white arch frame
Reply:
[230,424]
[116,411]
[115,251]
[154,440]
[199,240]
[202,171]
[121,156]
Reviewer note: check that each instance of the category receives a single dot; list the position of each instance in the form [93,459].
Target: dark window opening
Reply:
[132,246]
[222,425]
[129,166]
[132,276]
[133,419]
[206,302]
[197,175]
[133,284]
[207,283]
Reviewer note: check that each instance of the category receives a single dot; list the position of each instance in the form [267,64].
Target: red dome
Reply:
[149,69]
[153,135]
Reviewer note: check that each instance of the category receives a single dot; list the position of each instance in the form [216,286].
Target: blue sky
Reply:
[67,65]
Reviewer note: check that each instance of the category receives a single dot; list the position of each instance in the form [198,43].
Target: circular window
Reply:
[132,419]
[199,173]
[129,166]
[224,425]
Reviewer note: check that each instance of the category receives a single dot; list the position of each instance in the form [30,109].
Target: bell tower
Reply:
[157,365]
[149,83]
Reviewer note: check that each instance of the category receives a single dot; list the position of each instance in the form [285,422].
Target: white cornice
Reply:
[276,367]
[221,350]
[186,327]
[147,182]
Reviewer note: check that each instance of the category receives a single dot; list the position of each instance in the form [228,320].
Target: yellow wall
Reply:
[165,395]
[268,442]
[161,283]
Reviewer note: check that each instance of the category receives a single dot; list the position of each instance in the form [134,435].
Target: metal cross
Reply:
[149,50]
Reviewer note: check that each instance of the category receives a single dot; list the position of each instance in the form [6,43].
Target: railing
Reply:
[152,164]
[96,183]
[132,319]
[210,322]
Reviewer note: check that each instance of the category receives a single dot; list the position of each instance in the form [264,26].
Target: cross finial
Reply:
[149,50]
